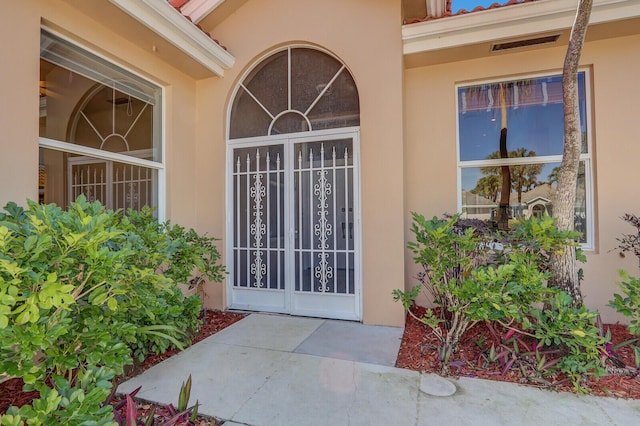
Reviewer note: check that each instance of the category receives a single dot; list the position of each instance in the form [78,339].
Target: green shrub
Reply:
[629,305]
[83,290]
[571,330]
[448,255]
[473,274]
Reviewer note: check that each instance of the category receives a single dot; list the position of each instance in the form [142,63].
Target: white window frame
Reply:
[303,114]
[71,148]
[586,158]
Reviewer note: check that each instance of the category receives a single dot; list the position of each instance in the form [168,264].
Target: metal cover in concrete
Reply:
[354,342]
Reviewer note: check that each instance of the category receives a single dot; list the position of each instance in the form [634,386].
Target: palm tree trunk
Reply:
[505,192]
[563,265]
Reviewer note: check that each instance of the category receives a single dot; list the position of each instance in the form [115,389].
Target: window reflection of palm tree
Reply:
[488,187]
[511,90]
[523,177]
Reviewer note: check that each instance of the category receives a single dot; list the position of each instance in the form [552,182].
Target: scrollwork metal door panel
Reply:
[324,223]
[294,226]
[259,233]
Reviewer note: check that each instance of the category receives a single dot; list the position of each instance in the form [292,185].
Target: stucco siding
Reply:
[430,151]
[365,35]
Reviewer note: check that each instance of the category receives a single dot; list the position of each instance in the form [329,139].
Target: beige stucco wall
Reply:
[365,35]
[408,133]
[430,147]
[19,104]
[20,30]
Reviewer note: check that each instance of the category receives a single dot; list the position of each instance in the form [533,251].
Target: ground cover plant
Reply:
[477,277]
[83,292]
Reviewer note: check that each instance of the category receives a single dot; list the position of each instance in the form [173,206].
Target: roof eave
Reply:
[197,10]
[164,20]
[508,22]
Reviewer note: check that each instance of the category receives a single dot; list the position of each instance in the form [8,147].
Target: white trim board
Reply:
[513,21]
[164,20]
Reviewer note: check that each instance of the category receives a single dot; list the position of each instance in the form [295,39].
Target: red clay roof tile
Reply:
[448,9]
[177,4]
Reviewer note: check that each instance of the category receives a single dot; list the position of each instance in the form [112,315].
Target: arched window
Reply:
[297,89]
[293,187]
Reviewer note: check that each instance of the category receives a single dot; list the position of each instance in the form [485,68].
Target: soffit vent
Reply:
[496,47]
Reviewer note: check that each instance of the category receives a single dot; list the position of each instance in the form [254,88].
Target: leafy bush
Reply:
[630,243]
[573,331]
[629,304]
[448,256]
[81,291]
[476,274]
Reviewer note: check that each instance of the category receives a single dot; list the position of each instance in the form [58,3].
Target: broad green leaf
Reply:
[112,304]
[24,317]
[29,379]
[29,242]
[11,268]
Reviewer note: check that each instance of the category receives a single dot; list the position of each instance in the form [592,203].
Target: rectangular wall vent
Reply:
[524,43]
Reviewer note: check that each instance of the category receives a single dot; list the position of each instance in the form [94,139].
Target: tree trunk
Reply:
[563,265]
[505,192]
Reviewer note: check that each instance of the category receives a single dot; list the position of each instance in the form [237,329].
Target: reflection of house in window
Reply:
[477,207]
[531,112]
[538,210]
[535,202]
[99,130]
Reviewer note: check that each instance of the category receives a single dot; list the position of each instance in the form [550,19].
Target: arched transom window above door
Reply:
[297,89]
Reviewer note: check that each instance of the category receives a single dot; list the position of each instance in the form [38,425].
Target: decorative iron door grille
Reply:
[116,185]
[259,227]
[294,226]
[324,246]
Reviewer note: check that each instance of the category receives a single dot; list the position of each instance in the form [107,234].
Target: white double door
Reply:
[294,225]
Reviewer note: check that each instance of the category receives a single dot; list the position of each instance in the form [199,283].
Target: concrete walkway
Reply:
[278,370]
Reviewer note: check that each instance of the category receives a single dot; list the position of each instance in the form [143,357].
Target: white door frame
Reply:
[288,300]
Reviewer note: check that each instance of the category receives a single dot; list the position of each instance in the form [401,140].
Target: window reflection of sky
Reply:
[536,127]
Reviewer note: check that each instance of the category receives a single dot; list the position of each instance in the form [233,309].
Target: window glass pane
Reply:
[311,70]
[78,110]
[531,192]
[268,82]
[132,187]
[534,118]
[339,106]
[64,177]
[113,121]
[283,93]
[291,122]
[247,117]
[90,103]
[68,56]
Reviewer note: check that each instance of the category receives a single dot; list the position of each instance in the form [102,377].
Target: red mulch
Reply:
[11,391]
[417,353]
